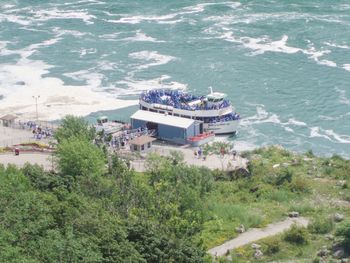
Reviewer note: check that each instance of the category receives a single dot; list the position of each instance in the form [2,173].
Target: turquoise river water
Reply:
[284,64]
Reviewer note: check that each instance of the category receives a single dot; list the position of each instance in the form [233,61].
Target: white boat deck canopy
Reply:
[161,118]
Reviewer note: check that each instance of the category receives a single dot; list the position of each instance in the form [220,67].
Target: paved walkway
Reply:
[12,136]
[255,234]
[43,159]
[212,161]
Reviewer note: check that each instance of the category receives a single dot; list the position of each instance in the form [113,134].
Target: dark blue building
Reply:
[167,127]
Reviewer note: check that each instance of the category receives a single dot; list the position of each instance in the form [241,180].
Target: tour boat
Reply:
[216,112]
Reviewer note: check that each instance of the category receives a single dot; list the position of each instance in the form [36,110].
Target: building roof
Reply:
[143,139]
[164,119]
[8,117]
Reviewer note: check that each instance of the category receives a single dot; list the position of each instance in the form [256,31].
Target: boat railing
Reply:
[180,100]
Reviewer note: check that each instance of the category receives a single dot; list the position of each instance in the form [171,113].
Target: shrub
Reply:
[272,246]
[321,225]
[285,177]
[310,154]
[343,231]
[297,235]
[299,184]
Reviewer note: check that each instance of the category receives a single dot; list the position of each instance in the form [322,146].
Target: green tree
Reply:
[72,126]
[157,247]
[76,157]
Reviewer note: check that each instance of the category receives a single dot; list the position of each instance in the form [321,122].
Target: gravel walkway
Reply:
[255,234]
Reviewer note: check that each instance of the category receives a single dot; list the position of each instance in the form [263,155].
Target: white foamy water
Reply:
[284,58]
[135,87]
[25,79]
[142,37]
[329,135]
[262,116]
[55,13]
[295,122]
[346,67]
[342,96]
[154,57]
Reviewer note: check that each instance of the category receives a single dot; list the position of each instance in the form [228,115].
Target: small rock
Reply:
[285,164]
[306,159]
[276,165]
[338,217]
[337,246]
[258,254]
[21,83]
[339,253]
[240,229]
[341,183]
[323,252]
[256,246]
[329,237]
[344,260]
[293,214]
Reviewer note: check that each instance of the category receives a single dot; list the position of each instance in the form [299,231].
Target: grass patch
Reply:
[280,182]
[321,225]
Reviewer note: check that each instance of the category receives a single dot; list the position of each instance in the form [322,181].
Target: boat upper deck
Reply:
[182,100]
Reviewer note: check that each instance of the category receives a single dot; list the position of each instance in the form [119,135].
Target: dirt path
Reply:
[255,234]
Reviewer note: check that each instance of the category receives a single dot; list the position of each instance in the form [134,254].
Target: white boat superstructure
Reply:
[217,113]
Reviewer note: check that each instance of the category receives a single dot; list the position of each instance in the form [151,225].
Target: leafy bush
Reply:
[300,184]
[280,195]
[297,235]
[272,246]
[284,177]
[321,225]
[310,154]
[343,231]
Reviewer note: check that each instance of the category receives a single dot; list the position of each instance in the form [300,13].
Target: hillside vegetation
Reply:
[94,209]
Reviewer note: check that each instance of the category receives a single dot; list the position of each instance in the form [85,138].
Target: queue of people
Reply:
[38,131]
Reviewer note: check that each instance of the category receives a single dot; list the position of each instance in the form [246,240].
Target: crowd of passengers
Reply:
[180,100]
[228,117]
[126,136]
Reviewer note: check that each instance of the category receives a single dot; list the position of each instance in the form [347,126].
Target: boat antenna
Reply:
[211,89]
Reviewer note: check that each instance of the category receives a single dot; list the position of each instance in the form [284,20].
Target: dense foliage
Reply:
[72,126]
[94,210]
